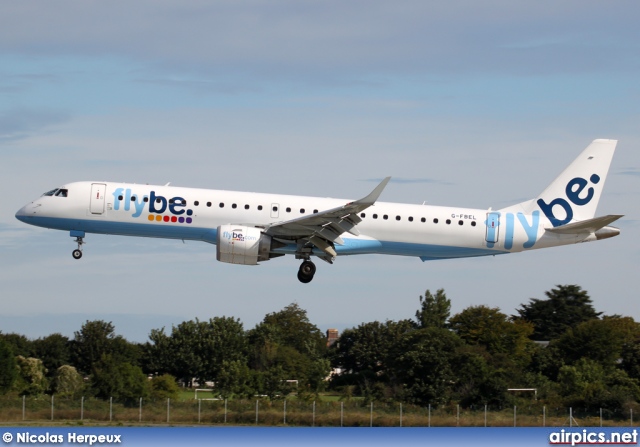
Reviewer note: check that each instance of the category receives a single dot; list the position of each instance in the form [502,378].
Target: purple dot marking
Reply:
[189,220]
[181,219]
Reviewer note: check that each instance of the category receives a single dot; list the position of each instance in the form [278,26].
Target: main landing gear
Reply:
[306,271]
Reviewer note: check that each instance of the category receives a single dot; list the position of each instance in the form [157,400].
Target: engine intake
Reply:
[242,245]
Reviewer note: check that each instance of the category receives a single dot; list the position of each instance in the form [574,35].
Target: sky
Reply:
[463,103]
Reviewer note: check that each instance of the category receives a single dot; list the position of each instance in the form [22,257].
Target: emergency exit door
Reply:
[98,191]
[493,226]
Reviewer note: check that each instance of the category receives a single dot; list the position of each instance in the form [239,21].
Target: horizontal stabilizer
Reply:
[586,226]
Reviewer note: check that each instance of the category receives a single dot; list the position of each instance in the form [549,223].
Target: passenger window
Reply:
[234,206]
[146,199]
[435,220]
[196,203]
[315,211]
[385,217]
[259,207]
[423,220]
[473,223]
[301,210]
[246,207]
[448,221]
[120,197]
[221,205]
[275,208]
[288,210]
[397,217]
[133,198]
[209,204]
[410,219]
[375,216]
[363,215]
[460,222]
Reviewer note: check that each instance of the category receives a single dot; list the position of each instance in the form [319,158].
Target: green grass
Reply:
[328,412]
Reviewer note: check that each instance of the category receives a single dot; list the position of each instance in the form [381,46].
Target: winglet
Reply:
[373,195]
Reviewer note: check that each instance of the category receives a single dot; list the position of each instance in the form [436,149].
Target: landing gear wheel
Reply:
[304,279]
[306,272]
[77,253]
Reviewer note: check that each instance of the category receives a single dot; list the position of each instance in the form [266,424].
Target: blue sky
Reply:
[464,104]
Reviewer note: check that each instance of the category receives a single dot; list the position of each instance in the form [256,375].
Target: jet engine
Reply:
[243,245]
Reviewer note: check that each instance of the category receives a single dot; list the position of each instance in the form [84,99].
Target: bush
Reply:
[164,387]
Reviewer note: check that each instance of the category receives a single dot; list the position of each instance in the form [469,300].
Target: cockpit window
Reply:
[58,192]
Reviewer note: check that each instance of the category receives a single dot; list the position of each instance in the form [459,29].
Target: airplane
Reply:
[248,228]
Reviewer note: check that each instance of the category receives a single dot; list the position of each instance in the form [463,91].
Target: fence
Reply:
[298,413]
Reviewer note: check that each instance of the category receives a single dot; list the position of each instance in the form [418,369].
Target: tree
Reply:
[8,370]
[287,343]
[294,329]
[68,382]
[197,349]
[54,350]
[96,339]
[421,364]
[589,385]
[32,378]
[488,327]
[20,345]
[121,380]
[599,340]
[631,357]
[434,310]
[233,378]
[364,350]
[477,382]
[164,387]
[566,307]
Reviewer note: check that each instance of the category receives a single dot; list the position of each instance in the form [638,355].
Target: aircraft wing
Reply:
[323,229]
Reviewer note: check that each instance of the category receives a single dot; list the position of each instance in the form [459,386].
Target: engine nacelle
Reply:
[242,245]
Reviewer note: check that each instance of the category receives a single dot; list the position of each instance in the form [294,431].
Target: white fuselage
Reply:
[427,232]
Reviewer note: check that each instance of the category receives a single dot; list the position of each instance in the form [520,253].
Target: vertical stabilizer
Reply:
[575,193]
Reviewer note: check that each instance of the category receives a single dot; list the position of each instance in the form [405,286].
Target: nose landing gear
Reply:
[79,235]
[306,272]
[77,253]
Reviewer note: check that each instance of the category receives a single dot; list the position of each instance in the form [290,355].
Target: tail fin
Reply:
[575,193]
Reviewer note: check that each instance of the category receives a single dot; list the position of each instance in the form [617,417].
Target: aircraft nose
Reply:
[25,212]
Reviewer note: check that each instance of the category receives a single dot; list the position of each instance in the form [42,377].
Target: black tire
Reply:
[77,254]
[304,279]
[308,268]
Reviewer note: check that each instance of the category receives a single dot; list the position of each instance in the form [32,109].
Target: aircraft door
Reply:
[493,225]
[98,191]
[274,210]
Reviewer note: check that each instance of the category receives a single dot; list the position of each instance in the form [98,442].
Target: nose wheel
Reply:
[77,253]
[306,272]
